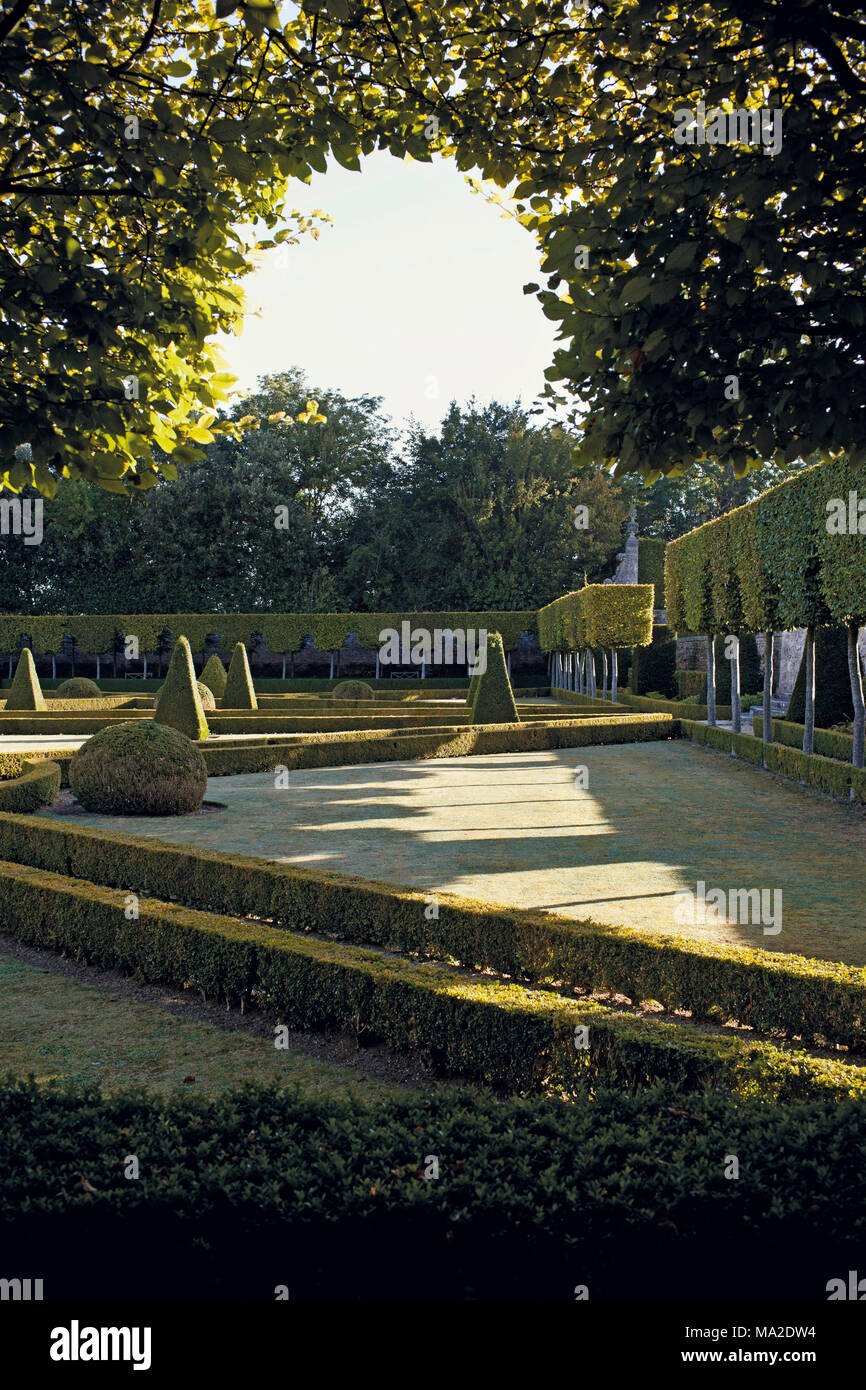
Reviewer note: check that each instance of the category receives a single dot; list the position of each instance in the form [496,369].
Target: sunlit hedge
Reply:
[772,564]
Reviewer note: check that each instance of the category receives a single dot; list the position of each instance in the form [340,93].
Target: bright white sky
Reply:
[414,293]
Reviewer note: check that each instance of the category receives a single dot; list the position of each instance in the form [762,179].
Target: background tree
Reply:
[482,514]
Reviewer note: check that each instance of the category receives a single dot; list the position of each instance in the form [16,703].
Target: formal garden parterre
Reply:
[577,1013]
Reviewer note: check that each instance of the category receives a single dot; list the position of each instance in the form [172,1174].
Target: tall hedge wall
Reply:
[772,564]
[283,632]
[599,615]
[651,566]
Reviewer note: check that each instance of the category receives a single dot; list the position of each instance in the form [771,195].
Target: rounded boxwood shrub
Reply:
[78,688]
[205,694]
[353,690]
[139,769]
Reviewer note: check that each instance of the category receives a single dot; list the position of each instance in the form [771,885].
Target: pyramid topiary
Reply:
[26,692]
[494,698]
[833,704]
[473,686]
[239,692]
[214,676]
[179,705]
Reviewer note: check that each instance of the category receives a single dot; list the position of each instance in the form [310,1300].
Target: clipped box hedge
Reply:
[824,774]
[767,990]
[37,784]
[644,704]
[829,743]
[459,1024]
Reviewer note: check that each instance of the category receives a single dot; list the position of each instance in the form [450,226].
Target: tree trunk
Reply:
[809,716]
[711,680]
[736,707]
[856,695]
[768,687]
[614,673]
[593,687]
[604,673]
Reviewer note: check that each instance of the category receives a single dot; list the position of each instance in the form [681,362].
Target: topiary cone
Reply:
[239,692]
[180,705]
[26,692]
[494,698]
[214,676]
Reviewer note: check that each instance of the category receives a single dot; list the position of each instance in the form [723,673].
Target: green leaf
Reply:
[682,256]
[636,289]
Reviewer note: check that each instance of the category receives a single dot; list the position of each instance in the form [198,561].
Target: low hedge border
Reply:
[502,1035]
[643,703]
[829,743]
[838,779]
[36,785]
[373,747]
[812,999]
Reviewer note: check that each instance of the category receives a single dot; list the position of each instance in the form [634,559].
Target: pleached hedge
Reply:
[773,992]
[283,632]
[599,615]
[458,1023]
[775,563]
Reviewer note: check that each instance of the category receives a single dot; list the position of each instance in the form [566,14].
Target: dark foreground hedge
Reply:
[460,1024]
[624,1194]
[770,991]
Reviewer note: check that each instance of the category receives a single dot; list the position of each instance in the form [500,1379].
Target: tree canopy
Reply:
[709,295]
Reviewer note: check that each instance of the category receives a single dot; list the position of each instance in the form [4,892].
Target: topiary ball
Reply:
[353,690]
[78,688]
[207,698]
[139,769]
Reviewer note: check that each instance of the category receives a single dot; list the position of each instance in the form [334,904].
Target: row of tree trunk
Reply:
[732,652]
[576,671]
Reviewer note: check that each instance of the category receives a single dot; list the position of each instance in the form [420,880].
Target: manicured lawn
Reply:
[62,1029]
[655,819]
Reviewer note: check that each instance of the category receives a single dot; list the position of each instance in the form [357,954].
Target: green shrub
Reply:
[214,676]
[205,694]
[25,693]
[494,698]
[179,705]
[141,769]
[78,688]
[239,692]
[473,687]
[352,690]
